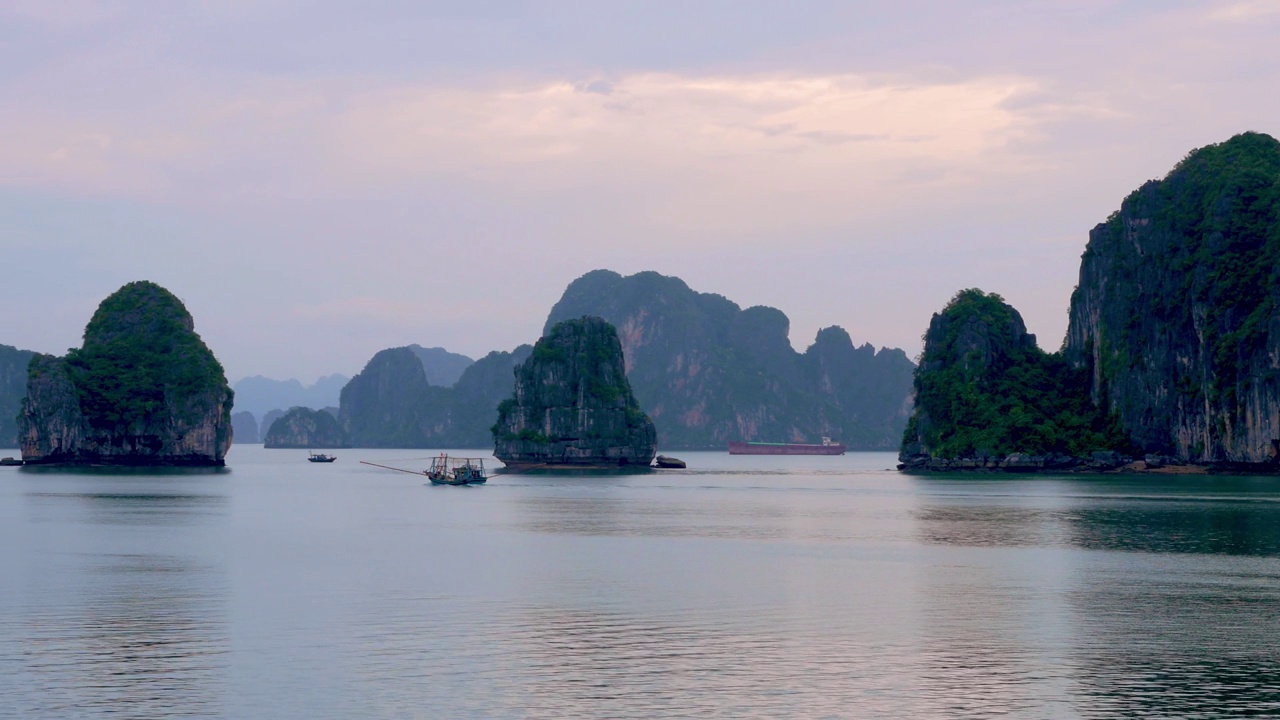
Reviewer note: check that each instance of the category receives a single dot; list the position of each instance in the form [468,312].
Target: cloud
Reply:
[726,152]
[679,120]
[705,151]
[1247,10]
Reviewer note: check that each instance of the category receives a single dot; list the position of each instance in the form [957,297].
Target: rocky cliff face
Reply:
[304,428]
[1177,313]
[573,404]
[142,390]
[708,372]
[13,387]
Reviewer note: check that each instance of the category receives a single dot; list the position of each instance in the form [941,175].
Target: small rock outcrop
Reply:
[573,405]
[142,390]
[304,428]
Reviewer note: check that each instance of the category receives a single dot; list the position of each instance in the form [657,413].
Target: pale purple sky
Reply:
[321,180]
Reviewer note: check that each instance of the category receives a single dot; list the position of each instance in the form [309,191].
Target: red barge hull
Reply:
[759,448]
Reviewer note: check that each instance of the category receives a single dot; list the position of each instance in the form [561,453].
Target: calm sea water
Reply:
[743,587]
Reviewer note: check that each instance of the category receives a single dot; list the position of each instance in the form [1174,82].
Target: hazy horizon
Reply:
[318,181]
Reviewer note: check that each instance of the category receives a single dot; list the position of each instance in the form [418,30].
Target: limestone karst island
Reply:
[573,406]
[1172,353]
[143,389]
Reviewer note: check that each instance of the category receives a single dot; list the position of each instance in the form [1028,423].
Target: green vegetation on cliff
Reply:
[983,387]
[142,390]
[142,356]
[1177,308]
[1222,204]
[304,428]
[572,403]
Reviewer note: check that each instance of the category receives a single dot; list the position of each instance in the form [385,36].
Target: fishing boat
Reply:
[447,470]
[321,457]
[828,447]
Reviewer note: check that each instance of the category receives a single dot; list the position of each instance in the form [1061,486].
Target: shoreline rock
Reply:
[1097,463]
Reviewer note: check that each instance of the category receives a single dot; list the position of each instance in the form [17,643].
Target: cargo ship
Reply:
[765,448]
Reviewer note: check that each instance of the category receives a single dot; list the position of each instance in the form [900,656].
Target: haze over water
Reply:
[745,587]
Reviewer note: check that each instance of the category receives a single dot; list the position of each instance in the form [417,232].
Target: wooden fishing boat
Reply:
[446,470]
[321,457]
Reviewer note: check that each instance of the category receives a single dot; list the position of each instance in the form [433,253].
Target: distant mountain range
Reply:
[708,371]
[260,395]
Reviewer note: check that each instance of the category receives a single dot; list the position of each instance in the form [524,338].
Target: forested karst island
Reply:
[1172,353]
[572,404]
[304,428]
[143,389]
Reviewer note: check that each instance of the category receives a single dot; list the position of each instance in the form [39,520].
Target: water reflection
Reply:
[145,508]
[1186,645]
[140,637]
[1170,612]
[990,526]
[120,614]
[1216,527]
[712,512]
[1156,521]
[282,593]
[121,471]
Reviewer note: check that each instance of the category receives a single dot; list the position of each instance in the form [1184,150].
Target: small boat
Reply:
[663,461]
[321,457]
[828,447]
[10,461]
[447,470]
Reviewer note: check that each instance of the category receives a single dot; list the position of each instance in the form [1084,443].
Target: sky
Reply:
[318,181]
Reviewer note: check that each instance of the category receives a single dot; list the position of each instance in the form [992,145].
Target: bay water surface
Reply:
[805,587]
